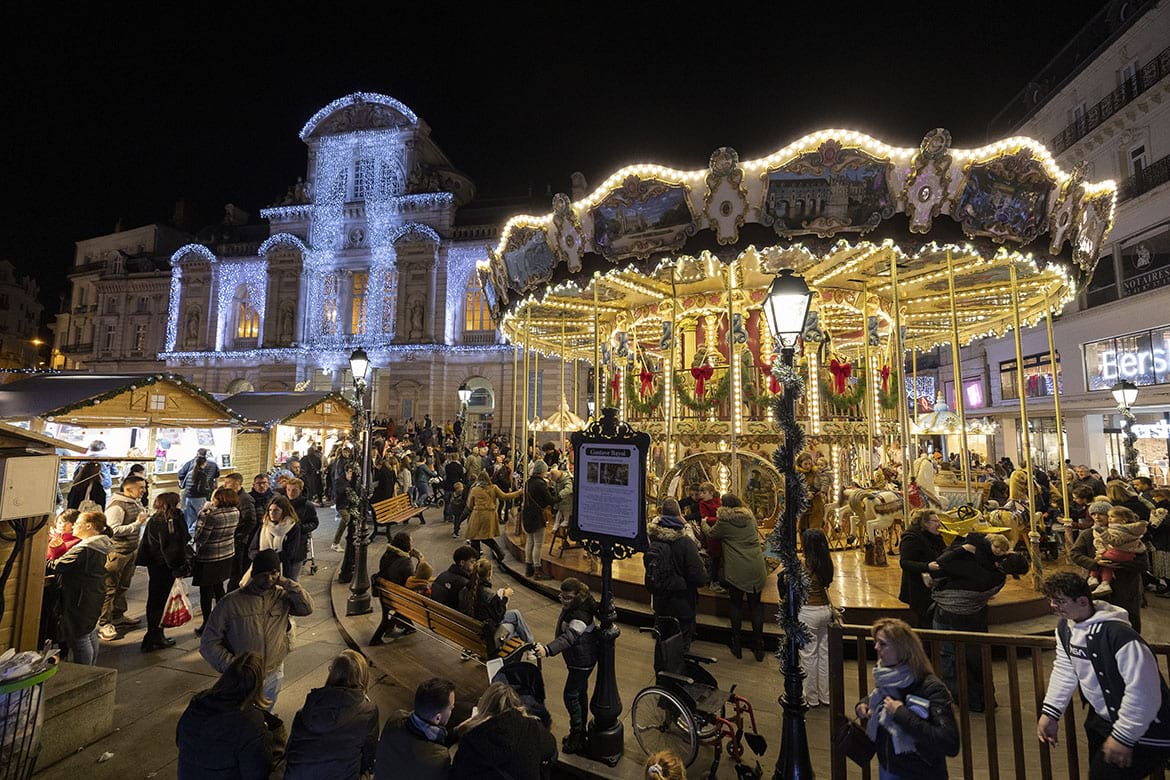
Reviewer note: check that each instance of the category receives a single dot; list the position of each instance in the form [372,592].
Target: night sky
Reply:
[118,115]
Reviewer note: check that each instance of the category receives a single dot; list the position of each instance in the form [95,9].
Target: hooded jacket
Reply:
[577,635]
[219,740]
[253,619]
[448,585]
[1117,674]
[396,565]
[685,554]
[743,552]
[81,578]
[334,736]
[511,744]
[537,498]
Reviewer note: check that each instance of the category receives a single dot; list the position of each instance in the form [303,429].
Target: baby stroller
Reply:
[524,677]
[437,494]
[311,558]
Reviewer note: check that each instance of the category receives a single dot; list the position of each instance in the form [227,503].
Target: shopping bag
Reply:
[178,610]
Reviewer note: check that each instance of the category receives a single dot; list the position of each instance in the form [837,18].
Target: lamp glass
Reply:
[464,395]
[1125,393]
[359,363]
[786,306]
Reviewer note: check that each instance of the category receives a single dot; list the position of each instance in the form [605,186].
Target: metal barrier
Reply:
[1025,694]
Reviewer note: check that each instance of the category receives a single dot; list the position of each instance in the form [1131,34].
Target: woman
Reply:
[385,479]
[1128,591]
[62,539]
[405,480]
[311,473]
[909,712]
[87,488]
[501,477]
[502,740]
[1120,493]
[280,531]
[81,580]
[483,602]
[163,551]
[665,765]
[484,524]
[921,544]
[538,498]
[215,547]
[577,637]
[335,735]
[817,614]
[744,570]
[1160,540]
[224,731]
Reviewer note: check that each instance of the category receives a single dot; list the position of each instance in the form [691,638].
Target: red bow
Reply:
[701,375]
[647,377]
[615,382]
[885,379]
[840,372]
[773,383]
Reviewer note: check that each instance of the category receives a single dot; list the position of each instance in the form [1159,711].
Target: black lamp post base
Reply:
[606,745]
[358,605]
[794,761]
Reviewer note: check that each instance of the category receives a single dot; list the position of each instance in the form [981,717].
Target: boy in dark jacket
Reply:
[448,585]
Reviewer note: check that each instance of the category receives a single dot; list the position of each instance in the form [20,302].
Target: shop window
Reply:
[1142,358]
[1038,379]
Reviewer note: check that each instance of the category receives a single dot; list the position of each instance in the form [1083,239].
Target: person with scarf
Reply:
[577,639]
[909,715]
[415,744]
[280,531]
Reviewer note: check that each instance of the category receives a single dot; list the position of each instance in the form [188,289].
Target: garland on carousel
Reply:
[853,396]
[888,392]
[643,405]
[707,401]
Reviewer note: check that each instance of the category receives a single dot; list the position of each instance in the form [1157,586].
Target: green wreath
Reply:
[842,402]
[710,400]
[888,400]
[634,400]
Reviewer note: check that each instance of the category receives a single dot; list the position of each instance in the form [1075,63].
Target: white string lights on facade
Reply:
[281,239]
[349,100]
[252,275]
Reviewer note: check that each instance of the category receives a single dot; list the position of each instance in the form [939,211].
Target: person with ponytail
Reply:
[484,602]
[817,614]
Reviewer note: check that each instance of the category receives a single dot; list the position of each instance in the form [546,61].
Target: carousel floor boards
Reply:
[864,592]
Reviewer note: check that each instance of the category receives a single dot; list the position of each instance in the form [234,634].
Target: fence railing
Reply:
[1023,660]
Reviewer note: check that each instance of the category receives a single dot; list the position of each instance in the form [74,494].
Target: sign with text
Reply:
[609,488]
[1142,358]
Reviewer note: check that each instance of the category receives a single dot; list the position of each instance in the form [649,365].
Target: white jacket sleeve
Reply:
[1140,676]
[1061,685]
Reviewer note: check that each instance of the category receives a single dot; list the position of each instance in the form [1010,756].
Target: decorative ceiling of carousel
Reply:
[840,208]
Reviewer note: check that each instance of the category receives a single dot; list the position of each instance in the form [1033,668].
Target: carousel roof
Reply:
[843,209]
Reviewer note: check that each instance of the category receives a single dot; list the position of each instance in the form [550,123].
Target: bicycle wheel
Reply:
[661,722]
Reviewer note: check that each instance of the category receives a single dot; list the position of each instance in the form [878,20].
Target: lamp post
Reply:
[1125,394]
[786,308]
[464,398]
[359,589]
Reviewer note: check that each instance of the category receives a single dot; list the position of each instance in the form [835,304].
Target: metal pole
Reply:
[515,393]
[1034,532]
[735,399]
[1056,407]
[358,602]
[900,362]
[957,359]
[870,390]
[564,407]
[675,348]
[528,381]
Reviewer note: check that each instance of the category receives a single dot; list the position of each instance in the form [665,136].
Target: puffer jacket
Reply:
[537,498]
[219,741]
[743,552]
[563,489]
[511,744]
[396,565]
[334,736]
[685,553]
[81,578]
[253,619]
[577,635]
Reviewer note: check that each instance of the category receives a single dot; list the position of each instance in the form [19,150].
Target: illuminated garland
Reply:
[145,380]
[710,400]
[888,399]
[634,399]
[843,402]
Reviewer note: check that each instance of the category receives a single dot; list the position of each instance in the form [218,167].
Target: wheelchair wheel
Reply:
[661,722]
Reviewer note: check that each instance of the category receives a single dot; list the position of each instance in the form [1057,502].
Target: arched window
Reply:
[357,319]
[247,317]
[477,315]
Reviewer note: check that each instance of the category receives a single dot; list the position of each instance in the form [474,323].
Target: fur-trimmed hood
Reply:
[661,533]
[738,516]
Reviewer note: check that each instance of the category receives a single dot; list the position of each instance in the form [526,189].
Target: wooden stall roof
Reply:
[15,436]
[115,400]
[305,409]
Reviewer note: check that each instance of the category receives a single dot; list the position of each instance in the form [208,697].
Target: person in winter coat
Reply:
[163,551]
[224,733]
[124,518]
[311,473]
[502,740]
[537,498]
[921,544]
[308,522]
[415,744]
[422,476]
[335,735]
[484,602]
[215,547]
[577,638]
[1121,493]
[197,478]
[245,526]
[400,559]
[385,476]
[909,713]
[420,581]
[1127,588]
[280,530]
[709,503]
[679,600]
[484,524]
[744,569]
[81,581]
[1160,540]
[87,486]
[448,586]
[560,482]
[456,508]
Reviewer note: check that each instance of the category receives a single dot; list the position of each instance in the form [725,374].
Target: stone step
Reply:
[79,710]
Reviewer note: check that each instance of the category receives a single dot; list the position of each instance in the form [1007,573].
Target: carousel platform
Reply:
[865,593]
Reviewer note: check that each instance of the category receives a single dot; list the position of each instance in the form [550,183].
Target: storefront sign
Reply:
[1158,430]
[1142,358]
[1114,364]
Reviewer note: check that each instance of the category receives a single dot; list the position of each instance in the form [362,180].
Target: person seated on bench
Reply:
[449,585]
[483,602]
[398,564]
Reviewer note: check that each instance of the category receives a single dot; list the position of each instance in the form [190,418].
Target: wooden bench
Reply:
[392,511]
[439,620]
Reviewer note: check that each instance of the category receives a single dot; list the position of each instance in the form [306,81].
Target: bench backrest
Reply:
[391,507]
[450,624]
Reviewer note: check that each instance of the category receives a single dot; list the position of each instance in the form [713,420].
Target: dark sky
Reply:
[118,114]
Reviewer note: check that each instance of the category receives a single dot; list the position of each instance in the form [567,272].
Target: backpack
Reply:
[199,483]
[662,573]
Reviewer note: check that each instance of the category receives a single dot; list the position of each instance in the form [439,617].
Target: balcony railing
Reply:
[77,349]
[1150,177]
[1148,76]
[479,337]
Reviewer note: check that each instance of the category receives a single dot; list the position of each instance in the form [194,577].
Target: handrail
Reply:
[1024,708]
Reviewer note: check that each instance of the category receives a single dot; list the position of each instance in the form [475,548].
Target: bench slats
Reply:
[439,619]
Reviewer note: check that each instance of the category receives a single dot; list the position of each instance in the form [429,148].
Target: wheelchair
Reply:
[685,708]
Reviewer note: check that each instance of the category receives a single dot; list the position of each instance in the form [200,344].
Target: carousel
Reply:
[661,280]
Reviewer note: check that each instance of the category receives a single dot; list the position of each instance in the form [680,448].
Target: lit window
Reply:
[329,306]
[158,403]
[247,320]
[477,315]
[357,320]
[363,178]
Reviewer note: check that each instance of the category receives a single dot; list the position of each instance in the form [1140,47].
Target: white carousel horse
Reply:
[878,509]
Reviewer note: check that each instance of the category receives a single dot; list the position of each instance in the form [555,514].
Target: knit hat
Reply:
[539,467]
[1100,508]
[265,561]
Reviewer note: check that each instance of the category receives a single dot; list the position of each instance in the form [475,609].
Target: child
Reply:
[62,538]
[708,510]
[457,507]
[1118,542]
[420,581]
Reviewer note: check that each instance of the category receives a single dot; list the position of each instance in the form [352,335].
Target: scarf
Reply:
[272,536]
[890,681]
[432,732]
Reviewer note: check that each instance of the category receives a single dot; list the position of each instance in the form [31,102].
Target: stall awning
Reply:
[115,400]
[305,409]
[14,436]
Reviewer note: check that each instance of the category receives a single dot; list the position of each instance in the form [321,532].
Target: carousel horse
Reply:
[879,510]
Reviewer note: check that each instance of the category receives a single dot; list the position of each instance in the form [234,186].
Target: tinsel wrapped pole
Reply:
[793,761]
[359,591]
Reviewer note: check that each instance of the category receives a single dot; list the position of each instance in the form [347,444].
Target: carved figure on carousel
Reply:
[819,483]
[879,510]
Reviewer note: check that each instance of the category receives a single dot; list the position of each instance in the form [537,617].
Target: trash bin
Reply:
[21,718]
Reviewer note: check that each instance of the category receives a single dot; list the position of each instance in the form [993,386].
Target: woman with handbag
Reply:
[909,716]
[538,504]
[817,614]
[215,548]
[166,556]
[87,493]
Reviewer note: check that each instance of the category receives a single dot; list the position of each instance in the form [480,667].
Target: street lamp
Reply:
[786,308]
[464,399]
[1125,394]
[359,590]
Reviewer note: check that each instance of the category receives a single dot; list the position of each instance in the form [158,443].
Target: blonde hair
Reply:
[999,542]
[665,765]
[899,635]
[496,700]
[349,670]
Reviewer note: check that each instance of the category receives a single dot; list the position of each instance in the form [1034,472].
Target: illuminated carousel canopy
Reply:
[836,206]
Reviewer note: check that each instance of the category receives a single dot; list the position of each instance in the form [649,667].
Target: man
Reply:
[1143,486]
[307,515]
[1128,723]
[197,479]
[414,744]
[244,528]
[124,518]
[261,494]
[448,585]
[1085,477]
[472,465]
[255,618]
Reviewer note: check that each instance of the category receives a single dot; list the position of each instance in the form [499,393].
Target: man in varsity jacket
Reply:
[1128,725]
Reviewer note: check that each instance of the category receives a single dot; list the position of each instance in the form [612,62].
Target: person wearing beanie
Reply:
[538,504]
[255,618]
[672,541]
[420,581]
